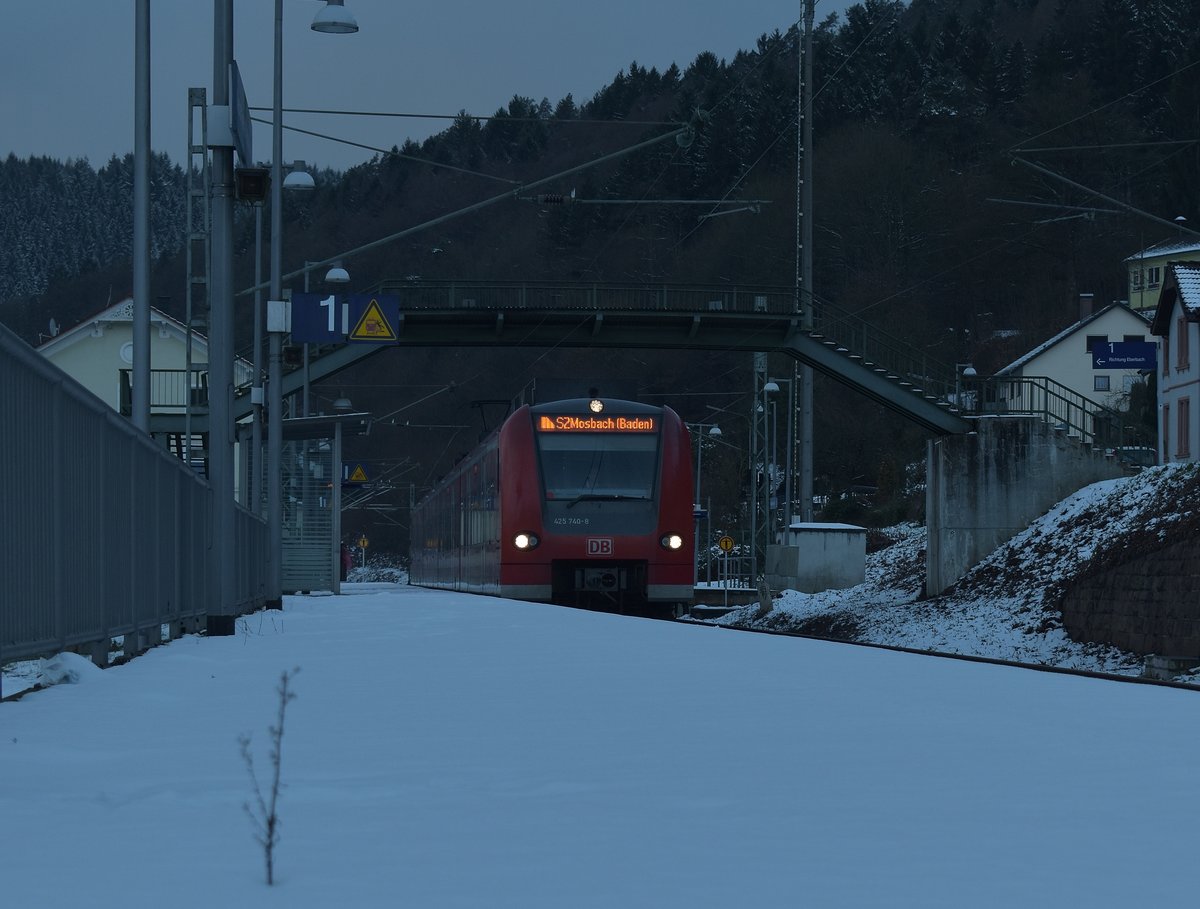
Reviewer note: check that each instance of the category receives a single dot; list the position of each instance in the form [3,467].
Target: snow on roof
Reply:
[1166,248]
[810,525]
[1187,275]
[1065,333]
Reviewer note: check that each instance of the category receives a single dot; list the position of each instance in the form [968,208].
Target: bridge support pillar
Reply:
[983,488]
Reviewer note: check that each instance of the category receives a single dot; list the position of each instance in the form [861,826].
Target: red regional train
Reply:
[584,502]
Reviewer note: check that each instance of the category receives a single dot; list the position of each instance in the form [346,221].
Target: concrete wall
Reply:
[1150,604]
[985,487]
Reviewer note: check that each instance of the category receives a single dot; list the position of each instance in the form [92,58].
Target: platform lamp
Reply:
[334,19]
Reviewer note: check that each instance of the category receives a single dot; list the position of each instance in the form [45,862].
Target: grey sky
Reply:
[67,65]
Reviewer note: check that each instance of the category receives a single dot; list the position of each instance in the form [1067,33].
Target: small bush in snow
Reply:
[263,813]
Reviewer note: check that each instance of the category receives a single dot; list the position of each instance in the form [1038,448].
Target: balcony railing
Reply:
[168,390]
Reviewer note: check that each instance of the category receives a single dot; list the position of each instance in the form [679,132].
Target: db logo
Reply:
[599,546]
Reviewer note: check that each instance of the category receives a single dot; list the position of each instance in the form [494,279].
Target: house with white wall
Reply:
[1177,323]
[1067,359]
[98,353]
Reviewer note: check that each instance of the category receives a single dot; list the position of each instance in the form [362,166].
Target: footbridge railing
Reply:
[861,340]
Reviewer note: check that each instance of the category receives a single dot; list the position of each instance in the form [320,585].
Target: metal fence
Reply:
[102,533]
[485,294]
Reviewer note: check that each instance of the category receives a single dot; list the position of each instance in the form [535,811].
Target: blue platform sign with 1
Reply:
[1124,355]
[369,318]
[319,320]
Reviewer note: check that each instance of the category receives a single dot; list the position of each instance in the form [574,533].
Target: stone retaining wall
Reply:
[1150,604]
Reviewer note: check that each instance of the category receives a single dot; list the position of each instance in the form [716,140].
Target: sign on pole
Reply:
[726,544]
[369,318]
[239,117]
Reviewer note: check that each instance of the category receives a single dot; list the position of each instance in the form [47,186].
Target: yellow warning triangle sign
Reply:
[359,475]
[373,325]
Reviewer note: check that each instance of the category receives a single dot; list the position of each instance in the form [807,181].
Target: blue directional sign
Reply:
[1125,355]
[368,318]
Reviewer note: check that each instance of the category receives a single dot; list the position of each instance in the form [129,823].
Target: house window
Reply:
[1093,340]
[1166,432]
[1183,433]
[1154,276]
[1127,383]
[1163,350]
[1135,278]
[1134,339]
[1181,344]
[1100,383]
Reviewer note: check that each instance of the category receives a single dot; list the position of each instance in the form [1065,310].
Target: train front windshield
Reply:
[584,466]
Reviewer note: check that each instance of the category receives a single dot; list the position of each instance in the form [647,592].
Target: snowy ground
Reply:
[1006,607]
[445,750]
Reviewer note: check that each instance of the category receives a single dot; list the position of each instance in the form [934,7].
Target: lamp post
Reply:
[297,178]
[223,589]
[962,371]
[714,432]
[333,19]
[788,454]
[337,275]
[140,403]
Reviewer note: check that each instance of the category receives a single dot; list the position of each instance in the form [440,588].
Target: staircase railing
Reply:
[1075,414]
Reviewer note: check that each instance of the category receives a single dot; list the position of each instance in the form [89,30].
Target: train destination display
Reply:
[566,423]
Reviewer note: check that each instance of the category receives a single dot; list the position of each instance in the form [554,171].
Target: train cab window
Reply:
[599,464]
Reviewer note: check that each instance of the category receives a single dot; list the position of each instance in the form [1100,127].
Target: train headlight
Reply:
[671,541]
[525,541]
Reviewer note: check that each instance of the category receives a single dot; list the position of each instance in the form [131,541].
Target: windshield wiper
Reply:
[605,497]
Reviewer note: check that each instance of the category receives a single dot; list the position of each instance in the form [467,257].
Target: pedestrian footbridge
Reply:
[735,318]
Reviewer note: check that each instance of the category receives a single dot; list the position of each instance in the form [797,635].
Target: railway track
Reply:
[964,657]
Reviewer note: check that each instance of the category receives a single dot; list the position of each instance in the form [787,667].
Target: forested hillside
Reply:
[60,219]
[925,221]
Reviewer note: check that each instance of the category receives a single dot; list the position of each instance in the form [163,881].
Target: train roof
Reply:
[581,405]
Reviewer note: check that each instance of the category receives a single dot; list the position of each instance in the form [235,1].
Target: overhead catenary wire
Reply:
[505,117]
[387,152]
[1099,195]
[1130,94]
[492,200]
